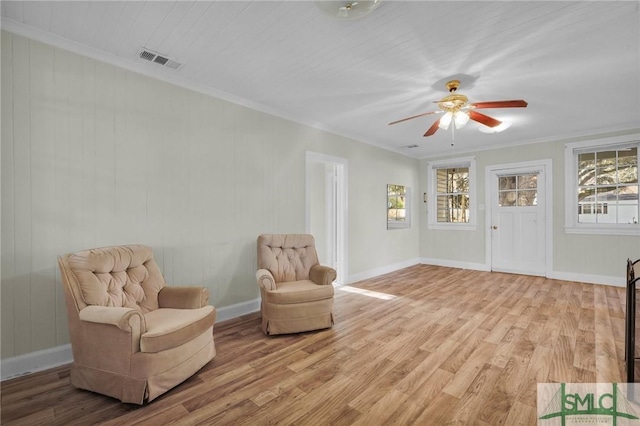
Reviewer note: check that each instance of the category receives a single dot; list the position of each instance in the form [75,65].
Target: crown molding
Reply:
[170,77]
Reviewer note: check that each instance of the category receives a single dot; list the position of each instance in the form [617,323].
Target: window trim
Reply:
[571,151]
[432,167]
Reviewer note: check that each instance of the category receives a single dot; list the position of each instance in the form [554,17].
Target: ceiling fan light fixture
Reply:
[460,119]
[445,121]
[456,108]
[346,9]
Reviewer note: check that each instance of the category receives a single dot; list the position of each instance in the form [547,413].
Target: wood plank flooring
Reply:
[425,345]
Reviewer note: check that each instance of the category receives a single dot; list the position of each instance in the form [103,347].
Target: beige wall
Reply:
[597,255]
[94,155]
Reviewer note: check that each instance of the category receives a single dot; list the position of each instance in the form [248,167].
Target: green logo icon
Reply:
[585,407]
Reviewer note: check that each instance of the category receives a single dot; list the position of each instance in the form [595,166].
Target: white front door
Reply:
[517,226]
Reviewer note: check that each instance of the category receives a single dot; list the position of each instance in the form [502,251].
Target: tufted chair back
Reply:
[288,257]
[123,276]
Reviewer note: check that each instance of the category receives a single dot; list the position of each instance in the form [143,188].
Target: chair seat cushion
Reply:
[290,292]
[169,328]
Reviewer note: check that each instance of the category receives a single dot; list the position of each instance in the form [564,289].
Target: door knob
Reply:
[494,227]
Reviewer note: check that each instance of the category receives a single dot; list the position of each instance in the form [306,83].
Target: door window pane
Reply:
[507,198]
[507,182]
[529,181]
[518,190]
[528,197]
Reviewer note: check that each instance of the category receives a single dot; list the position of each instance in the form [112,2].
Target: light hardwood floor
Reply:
[425,345]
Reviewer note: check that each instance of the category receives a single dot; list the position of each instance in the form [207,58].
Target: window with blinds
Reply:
[452,193]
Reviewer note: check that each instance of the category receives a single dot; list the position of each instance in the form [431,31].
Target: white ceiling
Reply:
[577,64]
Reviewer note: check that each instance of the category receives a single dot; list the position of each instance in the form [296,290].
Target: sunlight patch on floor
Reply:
[376,294]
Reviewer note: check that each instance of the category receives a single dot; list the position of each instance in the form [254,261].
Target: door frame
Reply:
[542,166]
[341,219]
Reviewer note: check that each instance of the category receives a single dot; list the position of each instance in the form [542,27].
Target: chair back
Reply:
[120,276]
[289,257]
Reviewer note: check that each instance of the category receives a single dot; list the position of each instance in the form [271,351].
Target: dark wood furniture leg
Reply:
[630,325]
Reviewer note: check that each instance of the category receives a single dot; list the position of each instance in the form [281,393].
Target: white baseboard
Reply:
[588,278]
[371,273]
[455,264]
[556,275]
[237,310]
[35,361]
[49,358]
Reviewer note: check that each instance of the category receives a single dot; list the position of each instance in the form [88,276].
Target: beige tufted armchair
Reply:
[132,337]
[296,291]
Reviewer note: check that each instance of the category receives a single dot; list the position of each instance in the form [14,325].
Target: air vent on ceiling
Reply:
[155,57]
[411,146]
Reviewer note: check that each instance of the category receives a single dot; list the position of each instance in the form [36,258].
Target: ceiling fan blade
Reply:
[433,128]
[414,116]
[517,103]
[484,119]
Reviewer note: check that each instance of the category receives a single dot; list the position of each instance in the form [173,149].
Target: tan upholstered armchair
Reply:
[132,337]
[296,291]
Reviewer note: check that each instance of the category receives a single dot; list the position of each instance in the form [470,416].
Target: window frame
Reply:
[401,224]
[571,151]
[432,205]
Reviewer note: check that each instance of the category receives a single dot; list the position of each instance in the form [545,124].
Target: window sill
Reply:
[396,225]
[452,226]
[633,230]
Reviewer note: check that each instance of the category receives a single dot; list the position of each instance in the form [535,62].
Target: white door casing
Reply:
[334,231]
[331,213]
[519,238]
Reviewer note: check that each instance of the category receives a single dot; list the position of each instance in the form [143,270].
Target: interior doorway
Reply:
[326,209]
[519,217]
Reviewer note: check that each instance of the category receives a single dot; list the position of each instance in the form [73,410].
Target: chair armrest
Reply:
[322,275]
[126,319]
[265,279]
[183,297]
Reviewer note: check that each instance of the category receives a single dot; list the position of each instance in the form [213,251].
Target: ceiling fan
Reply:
[458,110]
